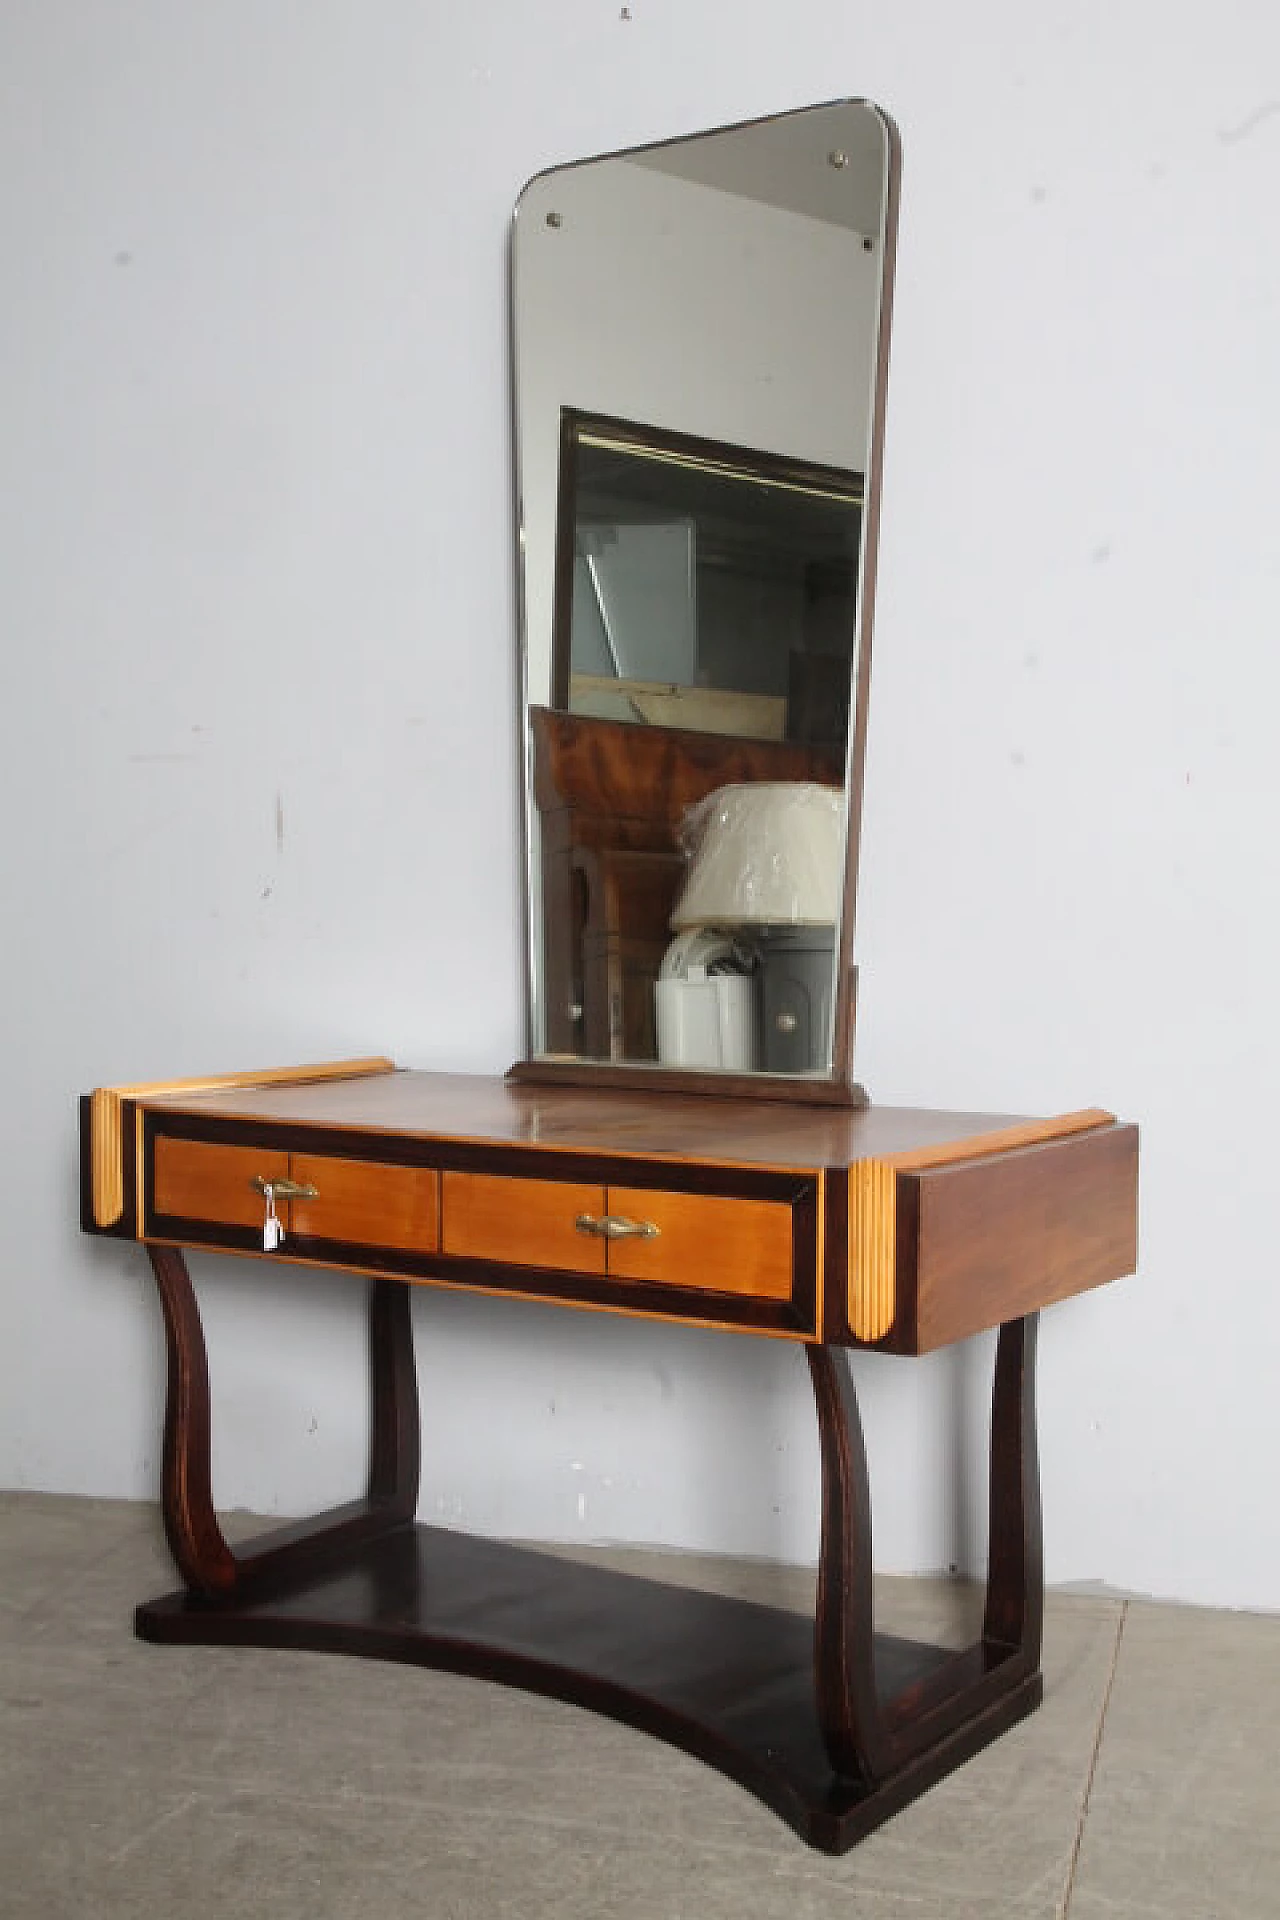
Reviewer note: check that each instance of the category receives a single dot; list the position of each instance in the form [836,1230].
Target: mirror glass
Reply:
[699,347]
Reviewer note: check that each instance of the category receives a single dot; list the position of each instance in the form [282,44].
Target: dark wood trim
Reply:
[796,1317]
[835,1263]
[541,1163]
[639,1077]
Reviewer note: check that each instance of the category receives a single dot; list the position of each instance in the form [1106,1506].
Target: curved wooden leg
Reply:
[844,1635]
[1014,1616]
[196,1541]
[205,1560]
[395,1442]
[870,1740]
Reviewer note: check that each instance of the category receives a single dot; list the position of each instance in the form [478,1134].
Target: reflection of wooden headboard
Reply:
[610,798]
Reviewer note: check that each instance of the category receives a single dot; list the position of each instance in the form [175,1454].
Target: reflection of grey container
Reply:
[797,972]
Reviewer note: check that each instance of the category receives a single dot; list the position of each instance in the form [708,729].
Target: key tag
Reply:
[272,1226]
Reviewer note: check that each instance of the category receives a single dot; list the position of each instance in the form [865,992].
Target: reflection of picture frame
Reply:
[694,578]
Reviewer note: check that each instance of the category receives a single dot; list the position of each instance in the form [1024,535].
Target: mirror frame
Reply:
[837,1087]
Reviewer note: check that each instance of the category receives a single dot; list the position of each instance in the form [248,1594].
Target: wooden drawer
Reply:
[521,1223]
[366,1203]
[202,1180]
[363,1203]
[722,1244]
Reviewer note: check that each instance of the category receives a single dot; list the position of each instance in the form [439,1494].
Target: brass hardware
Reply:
[612,1226]
[284,1189]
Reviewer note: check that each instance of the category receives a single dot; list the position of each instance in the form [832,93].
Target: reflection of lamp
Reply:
[768,861]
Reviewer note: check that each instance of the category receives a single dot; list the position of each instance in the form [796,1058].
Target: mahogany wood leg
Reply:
[869,1737]
[207,1563]
[1014,1616]
[196,1541]
[844,1634]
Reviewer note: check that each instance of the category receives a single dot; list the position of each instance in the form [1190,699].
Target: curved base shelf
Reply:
[728,1681]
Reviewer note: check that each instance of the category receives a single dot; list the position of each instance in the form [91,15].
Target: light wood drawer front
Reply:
[522,1223]
[366,1203]
[726,1245]
[196,1180]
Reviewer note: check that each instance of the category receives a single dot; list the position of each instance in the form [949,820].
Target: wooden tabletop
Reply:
[650,1125]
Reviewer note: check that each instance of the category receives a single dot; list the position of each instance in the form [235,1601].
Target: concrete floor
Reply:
[143,1781]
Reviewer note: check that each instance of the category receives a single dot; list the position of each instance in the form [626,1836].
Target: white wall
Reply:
[259,802]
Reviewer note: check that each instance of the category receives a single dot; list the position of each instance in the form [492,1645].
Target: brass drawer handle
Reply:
[612,1226]
[284,1189]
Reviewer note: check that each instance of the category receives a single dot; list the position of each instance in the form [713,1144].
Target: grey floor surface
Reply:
[143,1781]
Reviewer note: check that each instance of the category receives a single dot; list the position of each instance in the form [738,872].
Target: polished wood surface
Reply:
[492,1112]
[199,1181]
[524,1223]
[722,1245]
[922,1227]
[108,1184]
[1006,1236]
[366,1203]
[876,1211]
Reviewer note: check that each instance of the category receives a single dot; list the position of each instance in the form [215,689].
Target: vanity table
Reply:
[698,473]
[896,1229]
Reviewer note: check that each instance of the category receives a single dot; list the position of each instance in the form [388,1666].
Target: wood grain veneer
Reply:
[493,1112]
[918,1227]
[875,1251]
[106,1116]
[193,1180]
[705,1241]
[523,1223]
[366,1203]
[611,771]
[1003,1237]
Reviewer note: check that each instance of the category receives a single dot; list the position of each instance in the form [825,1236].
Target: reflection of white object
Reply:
[707,1023]
[771,854]
[705,1018]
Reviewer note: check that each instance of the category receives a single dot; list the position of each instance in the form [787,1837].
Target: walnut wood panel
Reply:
[106,1116]
[521,1223]
[194,1180]
[367,1203]
[722,1245]
[877,1276]
[491,1111]
[1000,1238]
[609,768]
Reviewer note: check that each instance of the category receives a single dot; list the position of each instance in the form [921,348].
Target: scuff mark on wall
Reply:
[1230,135]
[279,821]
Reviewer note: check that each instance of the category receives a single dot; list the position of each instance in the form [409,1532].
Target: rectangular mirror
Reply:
[700,339]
